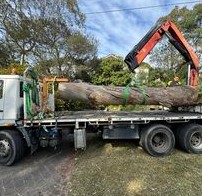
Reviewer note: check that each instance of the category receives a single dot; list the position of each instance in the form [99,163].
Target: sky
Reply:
[118,32]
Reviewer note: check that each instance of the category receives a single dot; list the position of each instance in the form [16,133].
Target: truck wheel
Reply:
[11,147]
[190,138]
[157,140]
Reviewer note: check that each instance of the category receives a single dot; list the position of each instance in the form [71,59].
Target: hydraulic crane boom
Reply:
[168,28]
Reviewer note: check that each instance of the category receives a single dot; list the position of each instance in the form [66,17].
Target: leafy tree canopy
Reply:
[48,33]
[112,71]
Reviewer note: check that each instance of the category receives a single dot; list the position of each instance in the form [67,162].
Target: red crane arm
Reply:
[168,28]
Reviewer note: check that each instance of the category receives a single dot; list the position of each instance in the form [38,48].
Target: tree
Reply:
[48,33]
[189,21]
[112,71]
[7,70]
[6,57]
[87,71]
[110,95]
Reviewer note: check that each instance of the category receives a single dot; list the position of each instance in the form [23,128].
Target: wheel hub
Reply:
[196,140]
[4,148]
[158,140]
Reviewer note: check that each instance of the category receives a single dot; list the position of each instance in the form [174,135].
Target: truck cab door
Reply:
[1,98]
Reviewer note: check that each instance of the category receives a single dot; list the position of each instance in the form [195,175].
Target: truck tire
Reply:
[190,138]
[158,140]
[11,147]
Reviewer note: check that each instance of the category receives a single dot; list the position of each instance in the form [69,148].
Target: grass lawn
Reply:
[122,168]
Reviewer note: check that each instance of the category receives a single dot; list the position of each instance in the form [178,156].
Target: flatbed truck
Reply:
[157,131]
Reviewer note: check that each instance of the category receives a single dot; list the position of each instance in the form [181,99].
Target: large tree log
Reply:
[110,95]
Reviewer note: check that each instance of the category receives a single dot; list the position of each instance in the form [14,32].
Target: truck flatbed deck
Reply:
[101,117]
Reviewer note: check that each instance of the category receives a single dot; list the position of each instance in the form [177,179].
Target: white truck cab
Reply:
[11,99]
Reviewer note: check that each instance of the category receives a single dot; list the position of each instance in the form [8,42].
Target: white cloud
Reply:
[118,32]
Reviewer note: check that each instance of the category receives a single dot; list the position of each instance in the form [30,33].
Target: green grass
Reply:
[123,168]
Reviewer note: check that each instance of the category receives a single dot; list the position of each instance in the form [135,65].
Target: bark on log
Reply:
[110,95]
